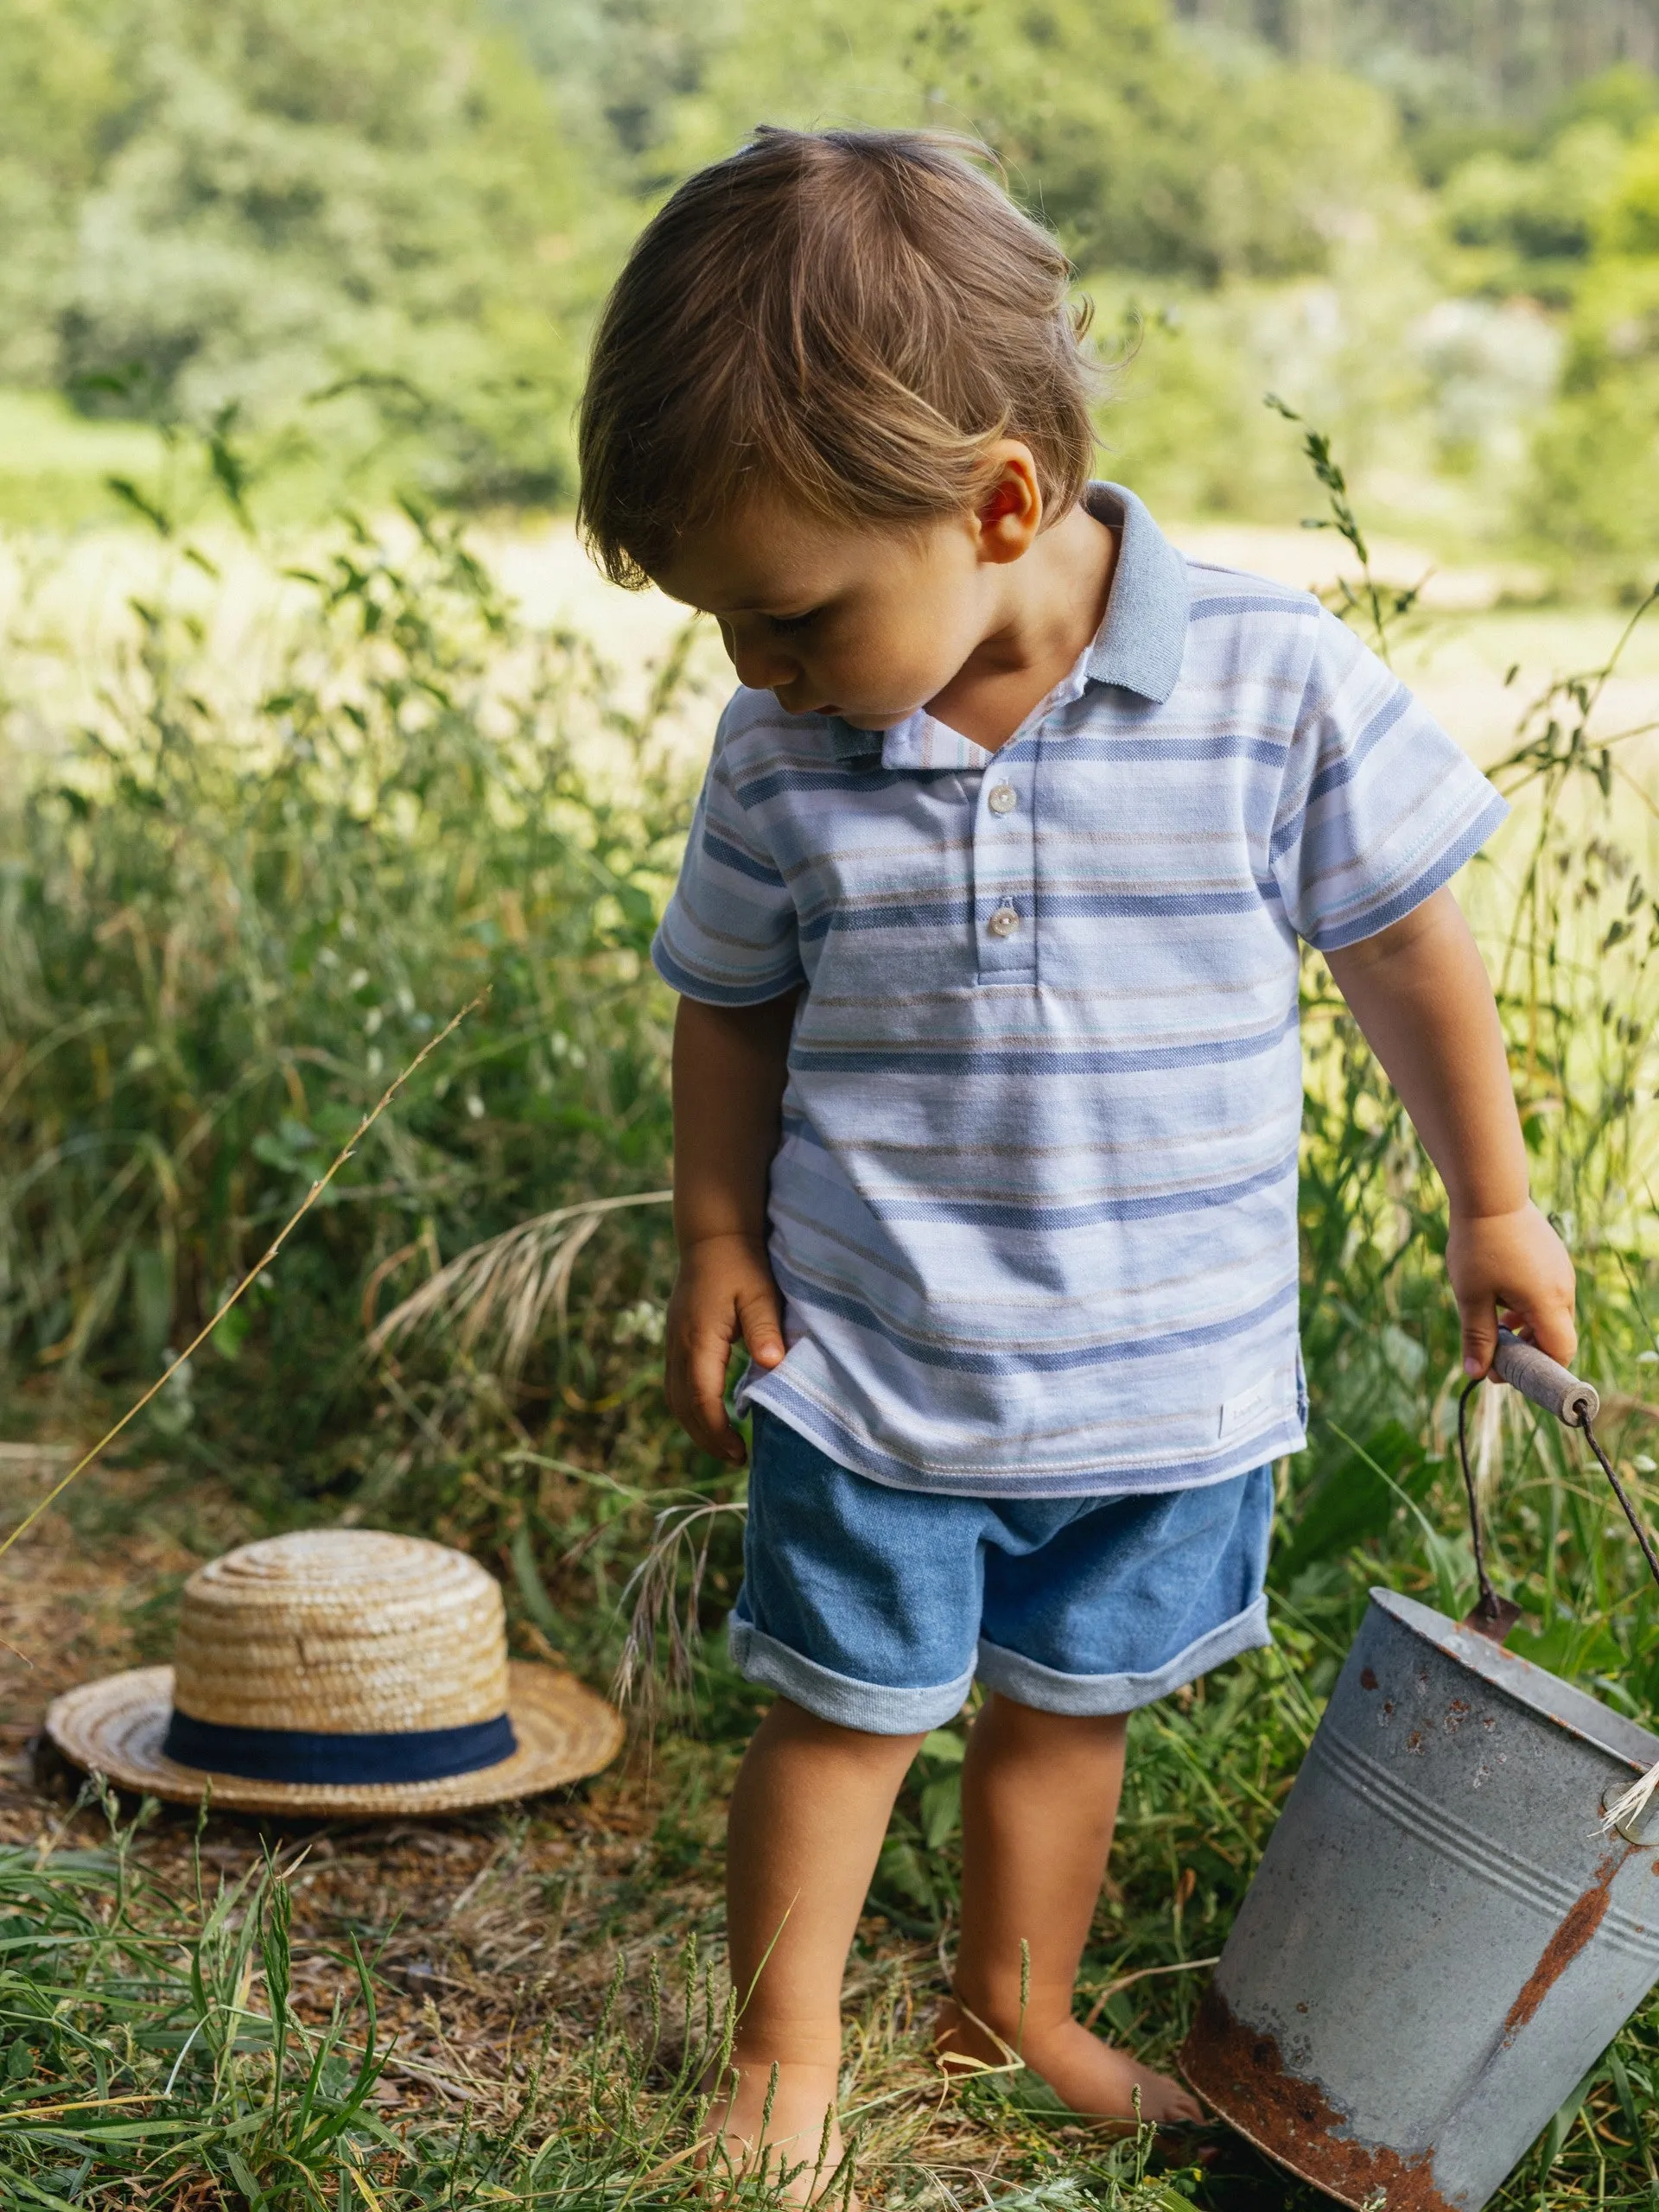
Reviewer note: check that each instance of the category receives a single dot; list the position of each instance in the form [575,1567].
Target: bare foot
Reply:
[1089,2076]
[796,2142]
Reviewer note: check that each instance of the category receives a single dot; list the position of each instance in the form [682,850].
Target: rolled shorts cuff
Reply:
[865,1706]
[1081,1695]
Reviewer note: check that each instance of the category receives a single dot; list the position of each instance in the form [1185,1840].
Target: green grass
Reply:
[156,2048]
[222,937]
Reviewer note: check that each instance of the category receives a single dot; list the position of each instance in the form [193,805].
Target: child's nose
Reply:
[766,671]
[761,666]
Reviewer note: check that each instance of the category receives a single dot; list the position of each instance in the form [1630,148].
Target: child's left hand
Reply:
[1515,1266]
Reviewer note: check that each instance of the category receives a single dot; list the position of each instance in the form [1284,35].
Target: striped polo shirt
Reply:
[1033,1209]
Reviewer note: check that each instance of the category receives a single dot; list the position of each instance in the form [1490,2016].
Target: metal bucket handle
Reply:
[1575,1404]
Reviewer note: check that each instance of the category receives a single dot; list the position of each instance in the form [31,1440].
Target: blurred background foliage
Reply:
[380,234]
[293,303]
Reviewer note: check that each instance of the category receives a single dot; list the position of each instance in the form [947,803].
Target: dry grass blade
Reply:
[1621,1815]
[498,1294]
[663,1611]
[1143,1973]
[1494,1410]
[20,2114]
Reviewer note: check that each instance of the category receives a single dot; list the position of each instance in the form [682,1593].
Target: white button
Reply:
[1004,922]
[1003,799]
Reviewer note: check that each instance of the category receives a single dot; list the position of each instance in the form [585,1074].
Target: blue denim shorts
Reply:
[876,1607]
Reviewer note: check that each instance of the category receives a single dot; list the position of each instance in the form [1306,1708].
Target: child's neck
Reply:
[1048,606]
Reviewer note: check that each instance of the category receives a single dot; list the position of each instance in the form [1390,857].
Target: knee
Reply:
[789,1724]
[1006,1720]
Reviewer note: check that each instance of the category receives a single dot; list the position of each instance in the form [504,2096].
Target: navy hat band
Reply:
[309,1755]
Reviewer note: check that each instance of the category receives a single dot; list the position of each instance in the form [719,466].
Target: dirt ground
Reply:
[487,1932]
[486,1927]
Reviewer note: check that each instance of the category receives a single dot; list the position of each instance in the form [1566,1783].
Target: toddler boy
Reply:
[986,1081]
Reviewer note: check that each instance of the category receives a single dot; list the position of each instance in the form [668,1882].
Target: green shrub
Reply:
[224,938]
[1596,487]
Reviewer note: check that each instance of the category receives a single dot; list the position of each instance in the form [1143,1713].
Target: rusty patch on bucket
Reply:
[1368,1678]
[1570,1938]
[1243,2074]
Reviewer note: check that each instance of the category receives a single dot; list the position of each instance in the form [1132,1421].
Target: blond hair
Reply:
[845,320]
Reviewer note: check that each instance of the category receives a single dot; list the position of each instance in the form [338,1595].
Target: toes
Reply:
[1169,2103]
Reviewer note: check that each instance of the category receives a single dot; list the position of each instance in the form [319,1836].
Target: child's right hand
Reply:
[723,1294]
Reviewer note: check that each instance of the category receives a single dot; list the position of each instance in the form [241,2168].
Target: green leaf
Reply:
[152,1299]
[1628,2106]
[1571,1648]
[1561,2127]
[941,1808]
[231,1332]
[531,1589]
[1354,1501]
[128,492]
[902,1869]
[941,1744]
[1451,1562]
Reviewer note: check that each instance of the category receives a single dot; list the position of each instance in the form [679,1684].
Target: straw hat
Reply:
[339,1670]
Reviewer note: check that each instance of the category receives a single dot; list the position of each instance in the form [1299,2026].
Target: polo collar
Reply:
[1139,646]
[1141,643]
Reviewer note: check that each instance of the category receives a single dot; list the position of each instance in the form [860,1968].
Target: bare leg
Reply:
[808,1815]
[1039,1805]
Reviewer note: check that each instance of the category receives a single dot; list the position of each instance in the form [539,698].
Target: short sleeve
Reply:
[1378,807]
[728,937]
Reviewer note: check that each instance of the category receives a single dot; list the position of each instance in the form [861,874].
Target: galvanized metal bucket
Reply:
[1441,1939]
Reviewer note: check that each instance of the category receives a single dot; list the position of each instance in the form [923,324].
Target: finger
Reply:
[1554,1329]
[703,1418]
[694,1399]
[706,1396]
[761,1326]
[1479,1319]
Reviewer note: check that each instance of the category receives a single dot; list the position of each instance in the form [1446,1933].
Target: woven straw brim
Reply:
[115,1728]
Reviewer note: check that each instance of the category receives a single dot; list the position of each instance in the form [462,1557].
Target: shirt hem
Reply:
[1287,1433]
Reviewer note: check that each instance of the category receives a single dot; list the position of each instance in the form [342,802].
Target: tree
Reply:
[288,195]
[1503,55]
[1144,152]
[1598,455]
[57,91]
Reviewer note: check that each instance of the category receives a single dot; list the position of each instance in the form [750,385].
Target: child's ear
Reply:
[1010,515]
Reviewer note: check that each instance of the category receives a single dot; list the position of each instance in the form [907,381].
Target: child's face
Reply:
[869,622]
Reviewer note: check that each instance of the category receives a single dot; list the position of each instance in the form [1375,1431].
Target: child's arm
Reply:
[730,1065]
[1419,992]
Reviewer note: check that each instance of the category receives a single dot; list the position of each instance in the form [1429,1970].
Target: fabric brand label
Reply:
[1240,1412]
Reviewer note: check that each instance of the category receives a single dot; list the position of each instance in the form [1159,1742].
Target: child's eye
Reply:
[786,623]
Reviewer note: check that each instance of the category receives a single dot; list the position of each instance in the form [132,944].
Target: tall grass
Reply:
[222,935]
[222,932]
